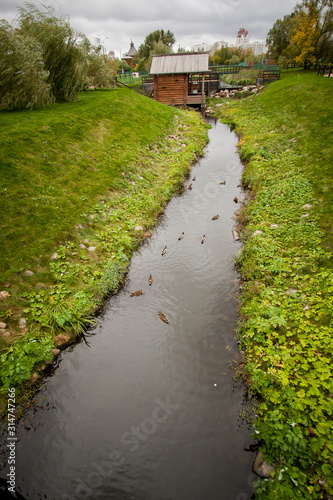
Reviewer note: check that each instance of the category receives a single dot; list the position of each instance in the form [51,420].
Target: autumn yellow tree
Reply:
[305,36]
[305,39]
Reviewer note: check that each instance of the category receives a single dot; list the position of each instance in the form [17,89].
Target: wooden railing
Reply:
[267,76]
[233,69]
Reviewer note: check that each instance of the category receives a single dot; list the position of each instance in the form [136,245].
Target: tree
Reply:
[228,55]
[305,36]
[22,73]
[278,38]
[99,74]
[64,56]
[101,69]
[156,40]
[314,25]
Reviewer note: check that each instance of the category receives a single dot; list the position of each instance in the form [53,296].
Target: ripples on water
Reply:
[149,410]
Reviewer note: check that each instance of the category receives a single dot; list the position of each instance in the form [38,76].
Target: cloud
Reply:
[116,22]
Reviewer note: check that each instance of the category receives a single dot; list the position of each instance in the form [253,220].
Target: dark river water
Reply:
[146,410]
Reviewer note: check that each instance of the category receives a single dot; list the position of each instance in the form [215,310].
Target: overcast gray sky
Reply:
[116,22]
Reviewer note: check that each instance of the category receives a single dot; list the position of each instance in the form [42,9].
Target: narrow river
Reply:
[146,410]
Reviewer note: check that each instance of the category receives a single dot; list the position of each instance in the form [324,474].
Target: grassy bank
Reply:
[287,282]
[81,185]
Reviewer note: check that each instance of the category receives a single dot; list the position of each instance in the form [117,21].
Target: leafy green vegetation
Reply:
[244,77]
[287,281]
[43,60]
[81,185]
[303,37]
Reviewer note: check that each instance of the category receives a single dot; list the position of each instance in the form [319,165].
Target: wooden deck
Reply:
[192,100]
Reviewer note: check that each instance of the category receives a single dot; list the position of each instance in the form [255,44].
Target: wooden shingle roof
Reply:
[194,62]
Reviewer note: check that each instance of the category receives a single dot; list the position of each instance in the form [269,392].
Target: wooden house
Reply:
[179,79]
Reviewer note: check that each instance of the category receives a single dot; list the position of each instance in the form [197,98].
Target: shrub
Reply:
[244,77]
[22,72]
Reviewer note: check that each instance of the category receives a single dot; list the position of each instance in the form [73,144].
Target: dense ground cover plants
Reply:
[81,185]
[285,329]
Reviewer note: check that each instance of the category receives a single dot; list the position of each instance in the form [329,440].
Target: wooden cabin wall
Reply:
[171,89]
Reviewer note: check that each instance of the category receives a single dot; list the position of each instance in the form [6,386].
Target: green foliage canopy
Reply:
[305,36]
[228,55]
[155,42]
[278,37]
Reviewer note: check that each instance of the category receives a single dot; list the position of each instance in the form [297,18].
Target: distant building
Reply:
[111,55]
[242,39]
[201,47]
[258,48]
[204,47]
[243,42]
[128,57]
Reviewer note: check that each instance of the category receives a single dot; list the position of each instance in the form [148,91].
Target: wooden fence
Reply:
[267,76]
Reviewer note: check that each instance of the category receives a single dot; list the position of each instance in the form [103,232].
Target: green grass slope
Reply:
[287,281]
[81,184]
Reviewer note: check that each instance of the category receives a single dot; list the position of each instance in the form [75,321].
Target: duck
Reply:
[136,294]
[203,239]
[223,182]
[150,280]
[193,178]
[236,199]
[181,236]
[163,317]
[164,250]
[215,217]
[190,186]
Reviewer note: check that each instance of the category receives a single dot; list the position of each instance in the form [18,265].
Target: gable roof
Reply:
[132,51]
[194,62]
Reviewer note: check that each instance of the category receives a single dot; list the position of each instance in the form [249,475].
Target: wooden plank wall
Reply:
[171,89]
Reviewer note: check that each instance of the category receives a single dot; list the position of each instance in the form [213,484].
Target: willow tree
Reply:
[24,80]
[63,50]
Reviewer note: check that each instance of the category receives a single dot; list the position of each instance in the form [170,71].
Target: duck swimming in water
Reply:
[215,217]
[136,294]
[181,236]
[164,251]
[203,239]
[150,280]
[163,317]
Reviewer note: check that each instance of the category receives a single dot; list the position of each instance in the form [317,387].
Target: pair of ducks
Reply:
[165,248]
[140,292]
[163,317]
[190,185]
[181,236]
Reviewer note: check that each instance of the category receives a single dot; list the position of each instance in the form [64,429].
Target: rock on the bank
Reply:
[261,468]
